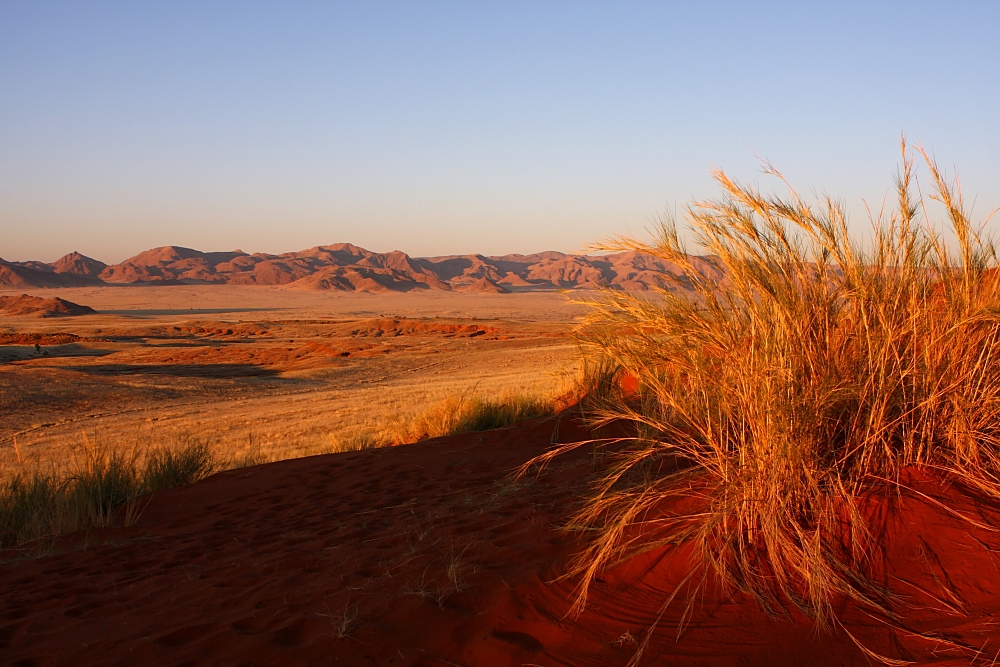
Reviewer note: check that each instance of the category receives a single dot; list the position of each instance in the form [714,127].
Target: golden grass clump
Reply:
[101,484]
[797,375]
[467,414]
[450,416]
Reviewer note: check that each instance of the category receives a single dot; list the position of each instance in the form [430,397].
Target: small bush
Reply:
[30,506]
[252,456]
[101,483]
[434,422]
[598,385]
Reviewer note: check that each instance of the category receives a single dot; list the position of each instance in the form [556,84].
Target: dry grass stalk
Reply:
[343,622]
[805,374]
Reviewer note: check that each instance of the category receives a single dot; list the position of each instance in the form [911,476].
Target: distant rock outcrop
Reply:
[73,270]
[39,307]
[346,267]
[79,265]
[485,286]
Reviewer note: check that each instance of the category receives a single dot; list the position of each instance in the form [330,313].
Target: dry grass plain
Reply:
[263,370]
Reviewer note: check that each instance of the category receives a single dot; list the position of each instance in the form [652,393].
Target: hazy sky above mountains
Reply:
[445,128]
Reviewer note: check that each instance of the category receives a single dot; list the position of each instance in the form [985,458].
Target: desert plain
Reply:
[285,372]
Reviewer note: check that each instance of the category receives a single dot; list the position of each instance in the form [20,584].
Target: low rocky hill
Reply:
[39,307]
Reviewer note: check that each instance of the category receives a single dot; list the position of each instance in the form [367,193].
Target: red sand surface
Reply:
[258,567]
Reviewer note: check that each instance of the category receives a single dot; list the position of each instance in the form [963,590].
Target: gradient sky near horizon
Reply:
[458,127]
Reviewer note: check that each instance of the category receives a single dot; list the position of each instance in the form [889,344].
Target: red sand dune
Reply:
[260,566]
[39,307]
[346,267]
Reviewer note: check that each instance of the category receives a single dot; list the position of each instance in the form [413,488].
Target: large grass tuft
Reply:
[804,374]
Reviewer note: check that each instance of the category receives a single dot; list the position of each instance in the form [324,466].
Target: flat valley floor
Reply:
[265,369]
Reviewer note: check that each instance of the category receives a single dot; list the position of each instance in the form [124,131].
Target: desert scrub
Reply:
[358,439]
[31,506]
[484,414]
[798,372]
[450,416]
[99,485]
[466,414]
[170,468]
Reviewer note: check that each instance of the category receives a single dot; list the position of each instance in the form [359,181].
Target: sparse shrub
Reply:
[802,375]
[598,383]
[455,579]
[166,468]
[343,622]
[434,422]
[484,414]
[357,439]
[251,456]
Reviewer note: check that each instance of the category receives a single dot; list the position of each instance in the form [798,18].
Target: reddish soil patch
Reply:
[420,327]
[427,555]
[290,356]
[39,338]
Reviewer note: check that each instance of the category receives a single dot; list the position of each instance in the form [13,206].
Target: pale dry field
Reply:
[288,372]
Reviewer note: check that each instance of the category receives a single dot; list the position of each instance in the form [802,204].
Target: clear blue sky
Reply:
[440,128]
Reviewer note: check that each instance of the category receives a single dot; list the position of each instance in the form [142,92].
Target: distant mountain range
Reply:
[346,267]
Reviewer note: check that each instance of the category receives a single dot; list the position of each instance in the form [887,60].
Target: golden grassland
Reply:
[286,387]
